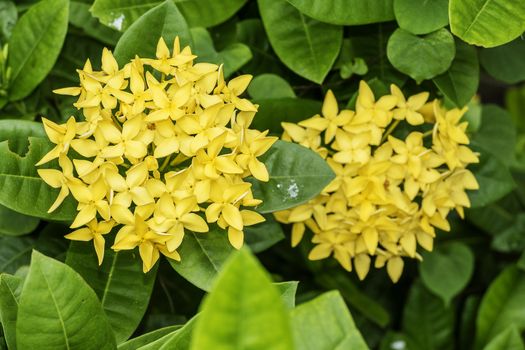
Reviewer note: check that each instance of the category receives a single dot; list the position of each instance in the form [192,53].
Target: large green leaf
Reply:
[58,310]
[270,86]
[421,57]
[121,286]
[35,45]
[505,62]
[10,288]
[306,46]
[297,174]
[276,110]
[202,256]
[147,338]
[14,253]
[509,339]
[179,339]
[120,14]
[141,38]
[262,236]
[511,239]
[460,82]
[427,321]
[325,324]
[447,270]
[421,17]
[82,18]
[487,23]
[8,17]
[243,311]
[18,175]
[503,304]
[16,224]
[347,12]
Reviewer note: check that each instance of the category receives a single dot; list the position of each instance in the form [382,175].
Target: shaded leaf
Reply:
[421,17]
[16,224]
[262,236]
[504,62]
[509,339]
[82,18]
[10,289]
[270,86]
[14,253]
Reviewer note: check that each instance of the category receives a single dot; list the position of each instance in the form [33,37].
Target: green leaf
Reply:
[509,339]
[447,270]
[58,310]
[427,321]
[512,238]
[121,286]
[20,151]
[8,17]
[421,57]
[262,236]
[82,18]
[243,311]
[202,256]
[270,86]
[467,321]
[306,46]
[233,56]
[297,174]
[147,338]
[346,12]
[487,23]
[141,38]
[504,62]
[287,290]
[16,224]
[460,82]
[325,324]
[35,44]
[274,111]
[421,17]
[179,339]
[14,253]
[502,305]
[10,288]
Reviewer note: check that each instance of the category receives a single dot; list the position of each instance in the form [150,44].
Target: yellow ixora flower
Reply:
[389,194]
[165,148]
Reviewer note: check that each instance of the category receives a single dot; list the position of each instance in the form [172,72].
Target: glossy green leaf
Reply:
[120,14]
[82,18]
[179,339]
[164,20]
[10,289]
[325,324]
[16,224]
[487,23]
[18,174]
[460,82]
[274,111]
[262,236]
[35,44]
[421,17]
[509,339]
[427,321]
[306,46]
[421,57]
[121,286]
[347,12]
[8,17]
[287,290]
[447,269]
[297,174]
[504,62]
[14,253]
[512,238]
[202,256]
[270,86]
[243,311]
[148,338]
[503,304]
[58,310]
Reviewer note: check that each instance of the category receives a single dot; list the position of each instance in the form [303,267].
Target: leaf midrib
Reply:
[476,18]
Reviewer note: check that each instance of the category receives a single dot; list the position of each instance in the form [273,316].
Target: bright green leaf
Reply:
[304,45]
[14,253]
[421,57]
[16,224]
[58,310]
[10,288]
[505,62]
[509,339]
[35,44]
[421,17]
[8,17]
[179,339]
[270,86]
[288,291]
[82,18]
[147,338]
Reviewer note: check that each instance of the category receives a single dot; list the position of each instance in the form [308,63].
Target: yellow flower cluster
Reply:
[164,148]
[389,194]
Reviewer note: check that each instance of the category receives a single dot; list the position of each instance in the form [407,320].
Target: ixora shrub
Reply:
[181,175]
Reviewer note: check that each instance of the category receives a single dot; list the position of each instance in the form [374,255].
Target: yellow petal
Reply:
[52,177]
[233,216]
[235,237]
[239,84]
[99,243]
[362,265]
[84,216]
[194,222]
[320,251]
[330,108]
[297,233]
[83,234]
[250,217]
[394,267]
[258,170]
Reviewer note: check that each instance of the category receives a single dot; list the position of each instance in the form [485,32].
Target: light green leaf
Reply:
[10,289]
[141,38]
[274,111]
[202,256]
[14,253]
[325,324]
[421,17]
[58,310]
[509,339]
[179,339]
[120,14]
[121,286]
[297,175]
[427,321]
[243,311]
[8,17]
[505,62]
[288,291]
[147,338]
[346,12]
[447,270]
[487,23]
[16,224]
[270,86]
[304,45]
[502,305]
[262,236]
[421,57]
[35,45]
[460,82]
[82,18]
